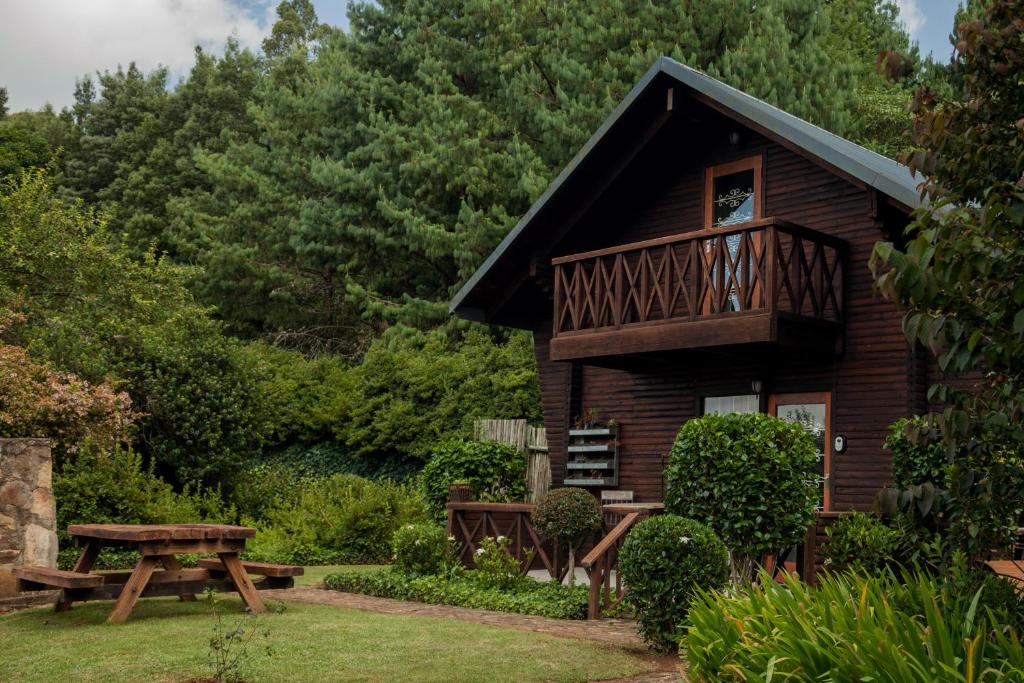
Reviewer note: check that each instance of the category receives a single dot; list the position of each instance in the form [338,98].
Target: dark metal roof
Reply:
[874,170]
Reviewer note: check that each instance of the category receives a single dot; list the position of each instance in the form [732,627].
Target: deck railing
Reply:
[602,563]
[767,266]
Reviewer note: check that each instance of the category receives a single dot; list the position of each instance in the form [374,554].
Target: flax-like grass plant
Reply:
[850,628]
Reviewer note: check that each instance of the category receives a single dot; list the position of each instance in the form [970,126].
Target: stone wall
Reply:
[28,511]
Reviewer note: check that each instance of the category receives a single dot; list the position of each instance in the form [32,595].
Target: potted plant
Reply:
[460,491]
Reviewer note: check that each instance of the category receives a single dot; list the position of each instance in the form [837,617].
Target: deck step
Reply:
[1010,569]
[44,576]
[259,568]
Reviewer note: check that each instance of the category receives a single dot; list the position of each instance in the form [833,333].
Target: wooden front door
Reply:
[813,411]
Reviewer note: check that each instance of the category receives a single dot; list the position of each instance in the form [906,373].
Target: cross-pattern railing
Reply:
[768,266]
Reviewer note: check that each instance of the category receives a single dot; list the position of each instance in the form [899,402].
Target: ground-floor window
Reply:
[723,405]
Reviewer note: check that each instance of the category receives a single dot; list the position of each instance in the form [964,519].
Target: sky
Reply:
[46,44]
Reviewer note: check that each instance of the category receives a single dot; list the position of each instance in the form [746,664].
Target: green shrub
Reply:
[462,590]
[750,478]
[850,628]
[422,549]
[496,566]
[115,488]
[414,389]
[861,543]
[664,560]
[496,471]
[567,515]
[343,518]
[917,452]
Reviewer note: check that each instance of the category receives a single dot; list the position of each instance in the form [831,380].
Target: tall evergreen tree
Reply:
[393,159]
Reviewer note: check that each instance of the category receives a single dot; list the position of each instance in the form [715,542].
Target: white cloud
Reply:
[912,16]
[46,44]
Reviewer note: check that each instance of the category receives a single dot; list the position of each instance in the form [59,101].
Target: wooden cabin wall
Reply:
[874,382]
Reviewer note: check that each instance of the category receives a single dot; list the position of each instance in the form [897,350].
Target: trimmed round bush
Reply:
[664,561]
[861,543]
[421,549]
[567,515]
[750,478]
[496,471]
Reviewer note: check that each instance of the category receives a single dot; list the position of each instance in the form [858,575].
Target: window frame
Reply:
[755,164]
[785,399]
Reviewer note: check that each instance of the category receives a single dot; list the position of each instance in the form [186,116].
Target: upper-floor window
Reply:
[733,193]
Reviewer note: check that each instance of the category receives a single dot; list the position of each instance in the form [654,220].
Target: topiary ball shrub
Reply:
[862,543]
[663,561]
[422,549]
[567,515]
[496,471]
[750,478]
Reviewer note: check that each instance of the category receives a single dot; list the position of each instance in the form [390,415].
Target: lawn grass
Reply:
[168,641]
[314,576]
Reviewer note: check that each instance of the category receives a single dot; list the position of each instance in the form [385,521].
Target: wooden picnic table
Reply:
[159,544]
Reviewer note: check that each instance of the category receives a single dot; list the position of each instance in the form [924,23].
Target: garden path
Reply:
[618,632]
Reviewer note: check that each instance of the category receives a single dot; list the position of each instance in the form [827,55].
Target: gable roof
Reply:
[874,170]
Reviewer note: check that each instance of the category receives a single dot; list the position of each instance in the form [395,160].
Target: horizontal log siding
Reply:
[870,382]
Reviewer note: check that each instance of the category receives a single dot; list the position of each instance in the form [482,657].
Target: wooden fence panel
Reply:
[532,440]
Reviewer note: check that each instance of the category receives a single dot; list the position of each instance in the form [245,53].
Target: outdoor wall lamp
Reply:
[756,386]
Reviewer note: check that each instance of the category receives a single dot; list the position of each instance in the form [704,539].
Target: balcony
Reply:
[766,282]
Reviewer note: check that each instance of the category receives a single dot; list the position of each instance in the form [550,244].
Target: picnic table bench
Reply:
[159,544]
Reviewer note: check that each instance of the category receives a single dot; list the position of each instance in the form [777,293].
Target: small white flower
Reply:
[451,538]
[684,539]
[416,542]
[499,539]
[480,551]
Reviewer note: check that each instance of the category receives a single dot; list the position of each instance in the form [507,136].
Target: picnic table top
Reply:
[160,532]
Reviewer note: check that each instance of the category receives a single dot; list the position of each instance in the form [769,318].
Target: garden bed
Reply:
[464,589]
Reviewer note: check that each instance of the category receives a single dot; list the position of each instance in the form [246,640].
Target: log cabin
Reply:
[707,252]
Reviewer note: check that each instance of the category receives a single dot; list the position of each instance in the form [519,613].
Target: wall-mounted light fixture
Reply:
[734,138]
[756,386]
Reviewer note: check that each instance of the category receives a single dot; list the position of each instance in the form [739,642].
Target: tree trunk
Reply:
[570,576]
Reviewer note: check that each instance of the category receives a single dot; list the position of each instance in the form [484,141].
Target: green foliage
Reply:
[953,497]
[567,515]
[749,477]
[422,549]
[496,471]
[850,628]
[664,561]
[497,567]
[388,162]
[413,390]
[528,597]
[958,271]
[21,149]
[917,452]
[232,649]
[861,543]
[91,309]
[340,519]
[114,487]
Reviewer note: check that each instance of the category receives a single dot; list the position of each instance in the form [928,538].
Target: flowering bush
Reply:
[496,566]
[38,401]
[422,549]
[664,561]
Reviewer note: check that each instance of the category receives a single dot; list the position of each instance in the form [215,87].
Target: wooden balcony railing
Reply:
[765,270]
